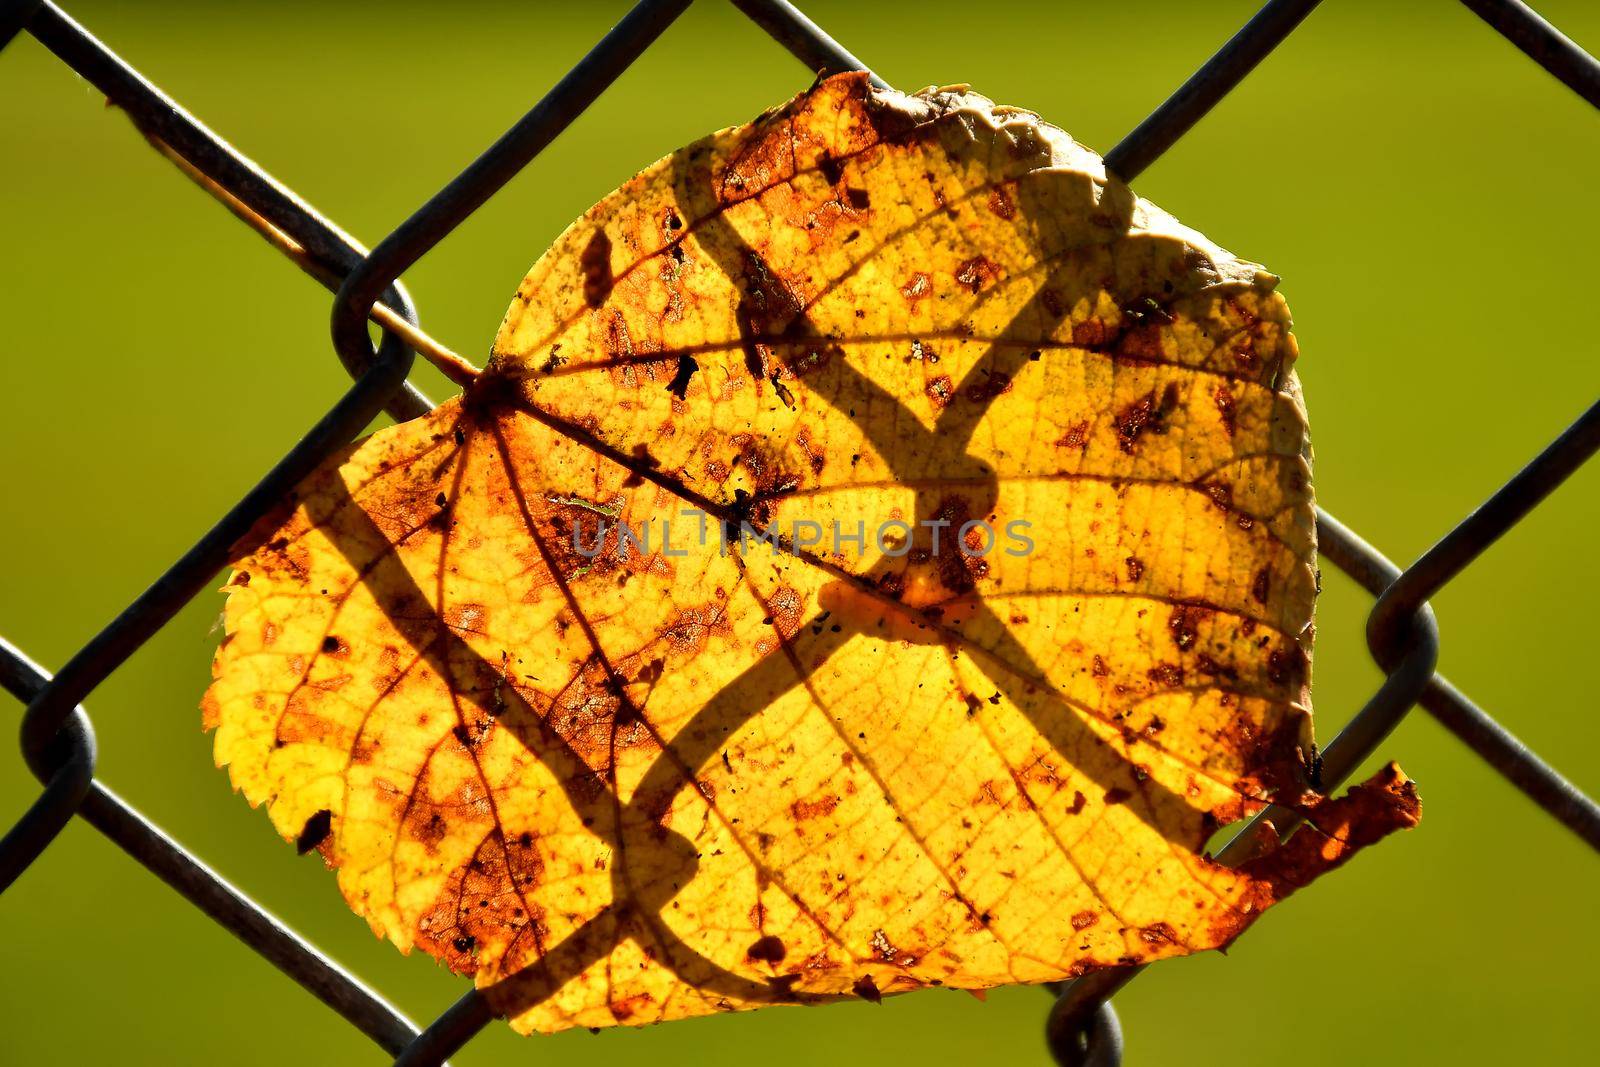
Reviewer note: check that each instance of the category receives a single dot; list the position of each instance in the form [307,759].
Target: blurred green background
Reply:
[1425,192]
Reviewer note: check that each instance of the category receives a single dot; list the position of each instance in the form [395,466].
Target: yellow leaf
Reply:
[1036,624]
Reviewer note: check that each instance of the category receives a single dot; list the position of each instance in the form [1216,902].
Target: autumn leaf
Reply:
[986,597]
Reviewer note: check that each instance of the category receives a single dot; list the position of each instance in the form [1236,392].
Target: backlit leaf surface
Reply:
[624,782]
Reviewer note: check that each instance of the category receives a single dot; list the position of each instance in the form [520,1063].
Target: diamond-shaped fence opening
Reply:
[57,737]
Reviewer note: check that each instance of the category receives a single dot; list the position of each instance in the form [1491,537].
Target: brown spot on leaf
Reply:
[882,947]
[768,949]
[978,273]
[596,266]
[1090,333]
[1221,494]
[989,385]
[1184,624]
[1261,587]
[1158,934]
[1000,202]
[1287,666]
[1168,675]
[1226,409]
[1077,436]
[679,386]
[810,809]
[1144,415]
[316,831]
[917,287]
[816,455]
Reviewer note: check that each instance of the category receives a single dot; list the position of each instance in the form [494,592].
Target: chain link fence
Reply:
[57,736]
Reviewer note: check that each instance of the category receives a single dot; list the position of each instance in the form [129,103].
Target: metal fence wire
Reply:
[58,739]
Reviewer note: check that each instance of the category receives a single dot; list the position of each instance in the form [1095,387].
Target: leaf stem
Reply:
[451,364]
